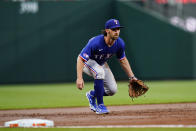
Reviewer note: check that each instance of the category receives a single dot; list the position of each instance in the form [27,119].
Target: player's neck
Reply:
[109,42]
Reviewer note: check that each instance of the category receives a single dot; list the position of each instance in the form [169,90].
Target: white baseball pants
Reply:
[93,69]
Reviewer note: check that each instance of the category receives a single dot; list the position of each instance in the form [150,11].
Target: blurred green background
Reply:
[40,41]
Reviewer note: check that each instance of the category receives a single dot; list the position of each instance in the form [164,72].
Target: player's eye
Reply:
[115,29]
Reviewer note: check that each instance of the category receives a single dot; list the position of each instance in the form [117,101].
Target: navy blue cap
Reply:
[112,23]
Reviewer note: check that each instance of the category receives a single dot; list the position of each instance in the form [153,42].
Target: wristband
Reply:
[130,78]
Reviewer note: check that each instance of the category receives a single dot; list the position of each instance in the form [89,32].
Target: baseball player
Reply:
[93,61]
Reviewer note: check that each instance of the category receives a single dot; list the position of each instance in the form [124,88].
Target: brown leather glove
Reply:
[137,88]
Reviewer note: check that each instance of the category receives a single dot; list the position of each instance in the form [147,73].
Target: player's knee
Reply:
[112,90]
[100,73]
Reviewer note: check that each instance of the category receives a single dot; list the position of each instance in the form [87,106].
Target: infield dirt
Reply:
[155,114]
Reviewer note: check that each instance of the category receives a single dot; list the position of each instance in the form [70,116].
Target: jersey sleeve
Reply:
[121,51]
[87,51]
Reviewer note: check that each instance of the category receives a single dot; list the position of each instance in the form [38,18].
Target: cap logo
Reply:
[115,21]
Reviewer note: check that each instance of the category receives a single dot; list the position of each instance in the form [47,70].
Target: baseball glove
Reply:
[137,88]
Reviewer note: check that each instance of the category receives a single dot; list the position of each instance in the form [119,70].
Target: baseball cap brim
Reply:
[113,27]
[118,27]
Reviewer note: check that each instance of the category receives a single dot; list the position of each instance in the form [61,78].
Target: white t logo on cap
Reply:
[115,21]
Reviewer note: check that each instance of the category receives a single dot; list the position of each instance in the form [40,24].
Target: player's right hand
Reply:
[80,83]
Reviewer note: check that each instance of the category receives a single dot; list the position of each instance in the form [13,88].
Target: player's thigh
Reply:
[92,68]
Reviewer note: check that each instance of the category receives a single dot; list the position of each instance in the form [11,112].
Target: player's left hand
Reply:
[137,88]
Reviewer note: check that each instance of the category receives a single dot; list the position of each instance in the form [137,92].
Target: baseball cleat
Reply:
[92,101]
[101,109]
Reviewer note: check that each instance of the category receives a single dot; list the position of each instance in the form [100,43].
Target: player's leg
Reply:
[110,85]
[91,94]
[92,68]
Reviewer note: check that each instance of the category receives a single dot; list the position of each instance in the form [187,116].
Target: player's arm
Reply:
[83,57]
[80,81]
[127,68]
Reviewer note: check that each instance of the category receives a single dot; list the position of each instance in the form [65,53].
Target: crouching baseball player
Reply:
[93,61]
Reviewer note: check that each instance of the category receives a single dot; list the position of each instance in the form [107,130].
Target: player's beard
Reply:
[114,37]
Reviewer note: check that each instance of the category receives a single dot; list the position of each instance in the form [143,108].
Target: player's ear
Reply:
[107,30]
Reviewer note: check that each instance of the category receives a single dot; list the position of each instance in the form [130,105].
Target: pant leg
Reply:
[110,85]
[92,68]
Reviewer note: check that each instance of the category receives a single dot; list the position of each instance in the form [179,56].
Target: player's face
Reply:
[114,33]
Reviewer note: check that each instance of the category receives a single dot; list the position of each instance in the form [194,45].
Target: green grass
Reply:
[97,129]
[67,95]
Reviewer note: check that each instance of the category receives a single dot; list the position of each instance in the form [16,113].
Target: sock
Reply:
[99,90]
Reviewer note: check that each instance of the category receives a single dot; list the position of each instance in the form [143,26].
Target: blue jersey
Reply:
[99,51]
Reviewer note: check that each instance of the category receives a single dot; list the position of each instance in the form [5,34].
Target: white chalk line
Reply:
[124,126]
[131,126]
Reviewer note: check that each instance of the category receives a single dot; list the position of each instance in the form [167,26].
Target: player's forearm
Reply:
[126,67]
[80,66]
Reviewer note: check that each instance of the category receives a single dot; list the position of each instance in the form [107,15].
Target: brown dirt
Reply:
[158,114]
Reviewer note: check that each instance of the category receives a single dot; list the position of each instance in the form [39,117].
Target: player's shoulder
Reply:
[96,39]
[120,41]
